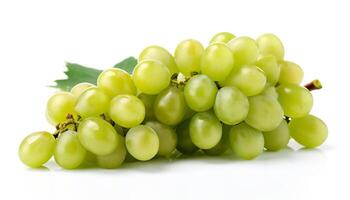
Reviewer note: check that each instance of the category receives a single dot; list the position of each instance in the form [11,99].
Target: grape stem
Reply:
[313,85]
[64,126]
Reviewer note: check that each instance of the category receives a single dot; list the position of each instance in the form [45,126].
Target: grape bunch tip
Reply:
[236,96]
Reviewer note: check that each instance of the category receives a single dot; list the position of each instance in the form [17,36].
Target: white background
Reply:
[36,37]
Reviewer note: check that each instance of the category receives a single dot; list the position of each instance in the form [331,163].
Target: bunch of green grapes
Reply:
[237,96]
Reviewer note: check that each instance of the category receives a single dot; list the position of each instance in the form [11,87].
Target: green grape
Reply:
[205,130]
[270,67]
[308,131]
[270,44]
[115,81]
[127,110]
[278,138]
[290,73]
[223,37]
[59,106]
[151,76]
[114,159]
[246,142]
[90,160]
[244,49]
[36,149]
[69,153]
[159,53]
[265,113]
[187,56]
[170,106]
[249,79]
[270,91]
[97,136]
[119,130]
[217,61]
[223,145]
[231,105]
[167,137]
[184,142]
[79,88]
[142,142]
[296,100]
[148,101]
[92,102]
[200,93]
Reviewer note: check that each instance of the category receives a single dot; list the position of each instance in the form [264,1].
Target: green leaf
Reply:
[77,73]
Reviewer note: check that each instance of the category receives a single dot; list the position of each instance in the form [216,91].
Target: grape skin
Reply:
[114,159]
[148,101]
[36,149]
[184,142]
[270,67]
[290,73]
[270,44]
[223,37]
[59,106]
[79,88]
[223,145]
[278,138]
[244,49]
[187,56]
[92,103]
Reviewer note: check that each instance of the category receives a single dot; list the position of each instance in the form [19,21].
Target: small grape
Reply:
[270,44]
[265,113]
[127,110]
[231,105]
[59,106]
[296,100]
[114,159]
[159,53]
[223,37]
[200,93]
[187,56]
[97,136]
[205,130]
[151,76]
[167,137]
[290,73]
[278,138]
[79,88]
[270,91]
[69,153]
[92,103]
[270,67]
[36,149]
[142,142]
[115,81]
[223,145]
[246,142]
[184,142]
[148,101]
[308,131]
[217,61]
[244,49]
[170,106]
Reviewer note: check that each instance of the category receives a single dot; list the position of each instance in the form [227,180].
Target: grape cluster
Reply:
[238,94]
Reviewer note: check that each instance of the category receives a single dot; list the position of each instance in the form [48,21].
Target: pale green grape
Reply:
[296,100]
[69,153]
[265,113]
[200,93]
[249,79]
[79,88]
[223,37]
[223,145]
[244,49]
[187,56]
[308,131]
[97,136]
[170,106]
[270,91]
[114,159]
[205,130]
[159,53]
[127,110]
[92,102]
[278,138]
[59,106]
[36,149]
[246,142]
[290,73]
[148,101]
[142,142]
[151,76]
[184,142]
[167,137]
[217,61]
[270,67]
[115,81]
[231,105]
[270,44]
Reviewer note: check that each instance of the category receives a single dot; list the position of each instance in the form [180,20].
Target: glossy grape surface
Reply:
[244,49]
[270,44]
[184,142]
[59,106]
[114,159]
[92,103]
[187,56]
[278,138]
[223,37]
[167,137]
[290,73]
